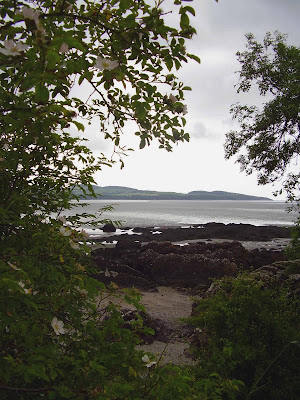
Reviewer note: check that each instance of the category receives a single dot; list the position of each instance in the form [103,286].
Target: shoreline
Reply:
[270,237]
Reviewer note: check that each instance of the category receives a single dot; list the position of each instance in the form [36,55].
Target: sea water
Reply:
[159,213]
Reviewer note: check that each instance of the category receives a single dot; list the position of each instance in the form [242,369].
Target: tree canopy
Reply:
[268,139]
[62,331]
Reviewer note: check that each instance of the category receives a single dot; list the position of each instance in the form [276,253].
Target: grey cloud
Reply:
[201,131]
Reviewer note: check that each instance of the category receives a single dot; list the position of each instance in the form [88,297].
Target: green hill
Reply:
[126,193]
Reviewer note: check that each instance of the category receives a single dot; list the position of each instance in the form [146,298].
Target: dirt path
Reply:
[169,305]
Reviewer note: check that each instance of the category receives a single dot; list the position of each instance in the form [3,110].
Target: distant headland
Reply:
[126,193]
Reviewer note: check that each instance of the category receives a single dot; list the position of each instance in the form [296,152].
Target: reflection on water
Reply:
[181,212]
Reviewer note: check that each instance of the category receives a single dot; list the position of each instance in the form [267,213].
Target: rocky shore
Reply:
[170,265]
[213,230]
[193,266]
[187,257]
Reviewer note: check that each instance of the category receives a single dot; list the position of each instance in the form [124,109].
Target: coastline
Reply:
[171,273]
[250,236]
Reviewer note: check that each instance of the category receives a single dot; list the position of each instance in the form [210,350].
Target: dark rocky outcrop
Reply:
[212,230]
[164,264]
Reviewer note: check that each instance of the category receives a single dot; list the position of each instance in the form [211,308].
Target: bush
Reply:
[292,251]
[250,333]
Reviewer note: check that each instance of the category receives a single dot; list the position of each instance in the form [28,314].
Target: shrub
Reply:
[250,333]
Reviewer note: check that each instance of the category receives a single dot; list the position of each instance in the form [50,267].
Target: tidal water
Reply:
[159,213]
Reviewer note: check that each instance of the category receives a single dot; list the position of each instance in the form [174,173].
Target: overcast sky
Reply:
[200,164]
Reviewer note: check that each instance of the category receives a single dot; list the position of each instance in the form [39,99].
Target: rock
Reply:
[278,274]
[189,270]
[282,273]
[161,263]
[128,245]
[212,230]
[109,228]
[260,257]
[160,247]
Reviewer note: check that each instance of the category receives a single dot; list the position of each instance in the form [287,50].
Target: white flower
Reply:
[74,245]
[65,231]
[105,63]
[172,98]
[64,48]
[147,361]
[26,291]
[12,49]
[58,326]
[29,13]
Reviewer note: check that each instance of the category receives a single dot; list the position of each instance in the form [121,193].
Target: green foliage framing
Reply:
[268,139]
[62,333]
[249,332]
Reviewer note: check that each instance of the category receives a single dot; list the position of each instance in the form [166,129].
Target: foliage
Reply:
[62,332]
[292,251]
[268,139]
[250,333]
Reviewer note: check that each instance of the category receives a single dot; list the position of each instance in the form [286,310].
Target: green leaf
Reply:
[80,80]
[169,62]
[72,41]
[184,22]
[189,9]
[42,94]
[124,5]
[38,371]
[79,126]
[52,58]
[141,110]
[193,57]
[142,143]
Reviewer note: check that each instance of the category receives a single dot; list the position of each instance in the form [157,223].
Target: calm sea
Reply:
[150,213]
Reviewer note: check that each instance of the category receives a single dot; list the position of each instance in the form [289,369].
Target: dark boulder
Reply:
[189,270]
[109,228]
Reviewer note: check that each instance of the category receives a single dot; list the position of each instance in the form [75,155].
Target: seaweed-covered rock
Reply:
[163,263]
[281,273]
[189,270]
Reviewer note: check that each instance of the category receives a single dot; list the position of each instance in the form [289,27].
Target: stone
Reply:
[109,228]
